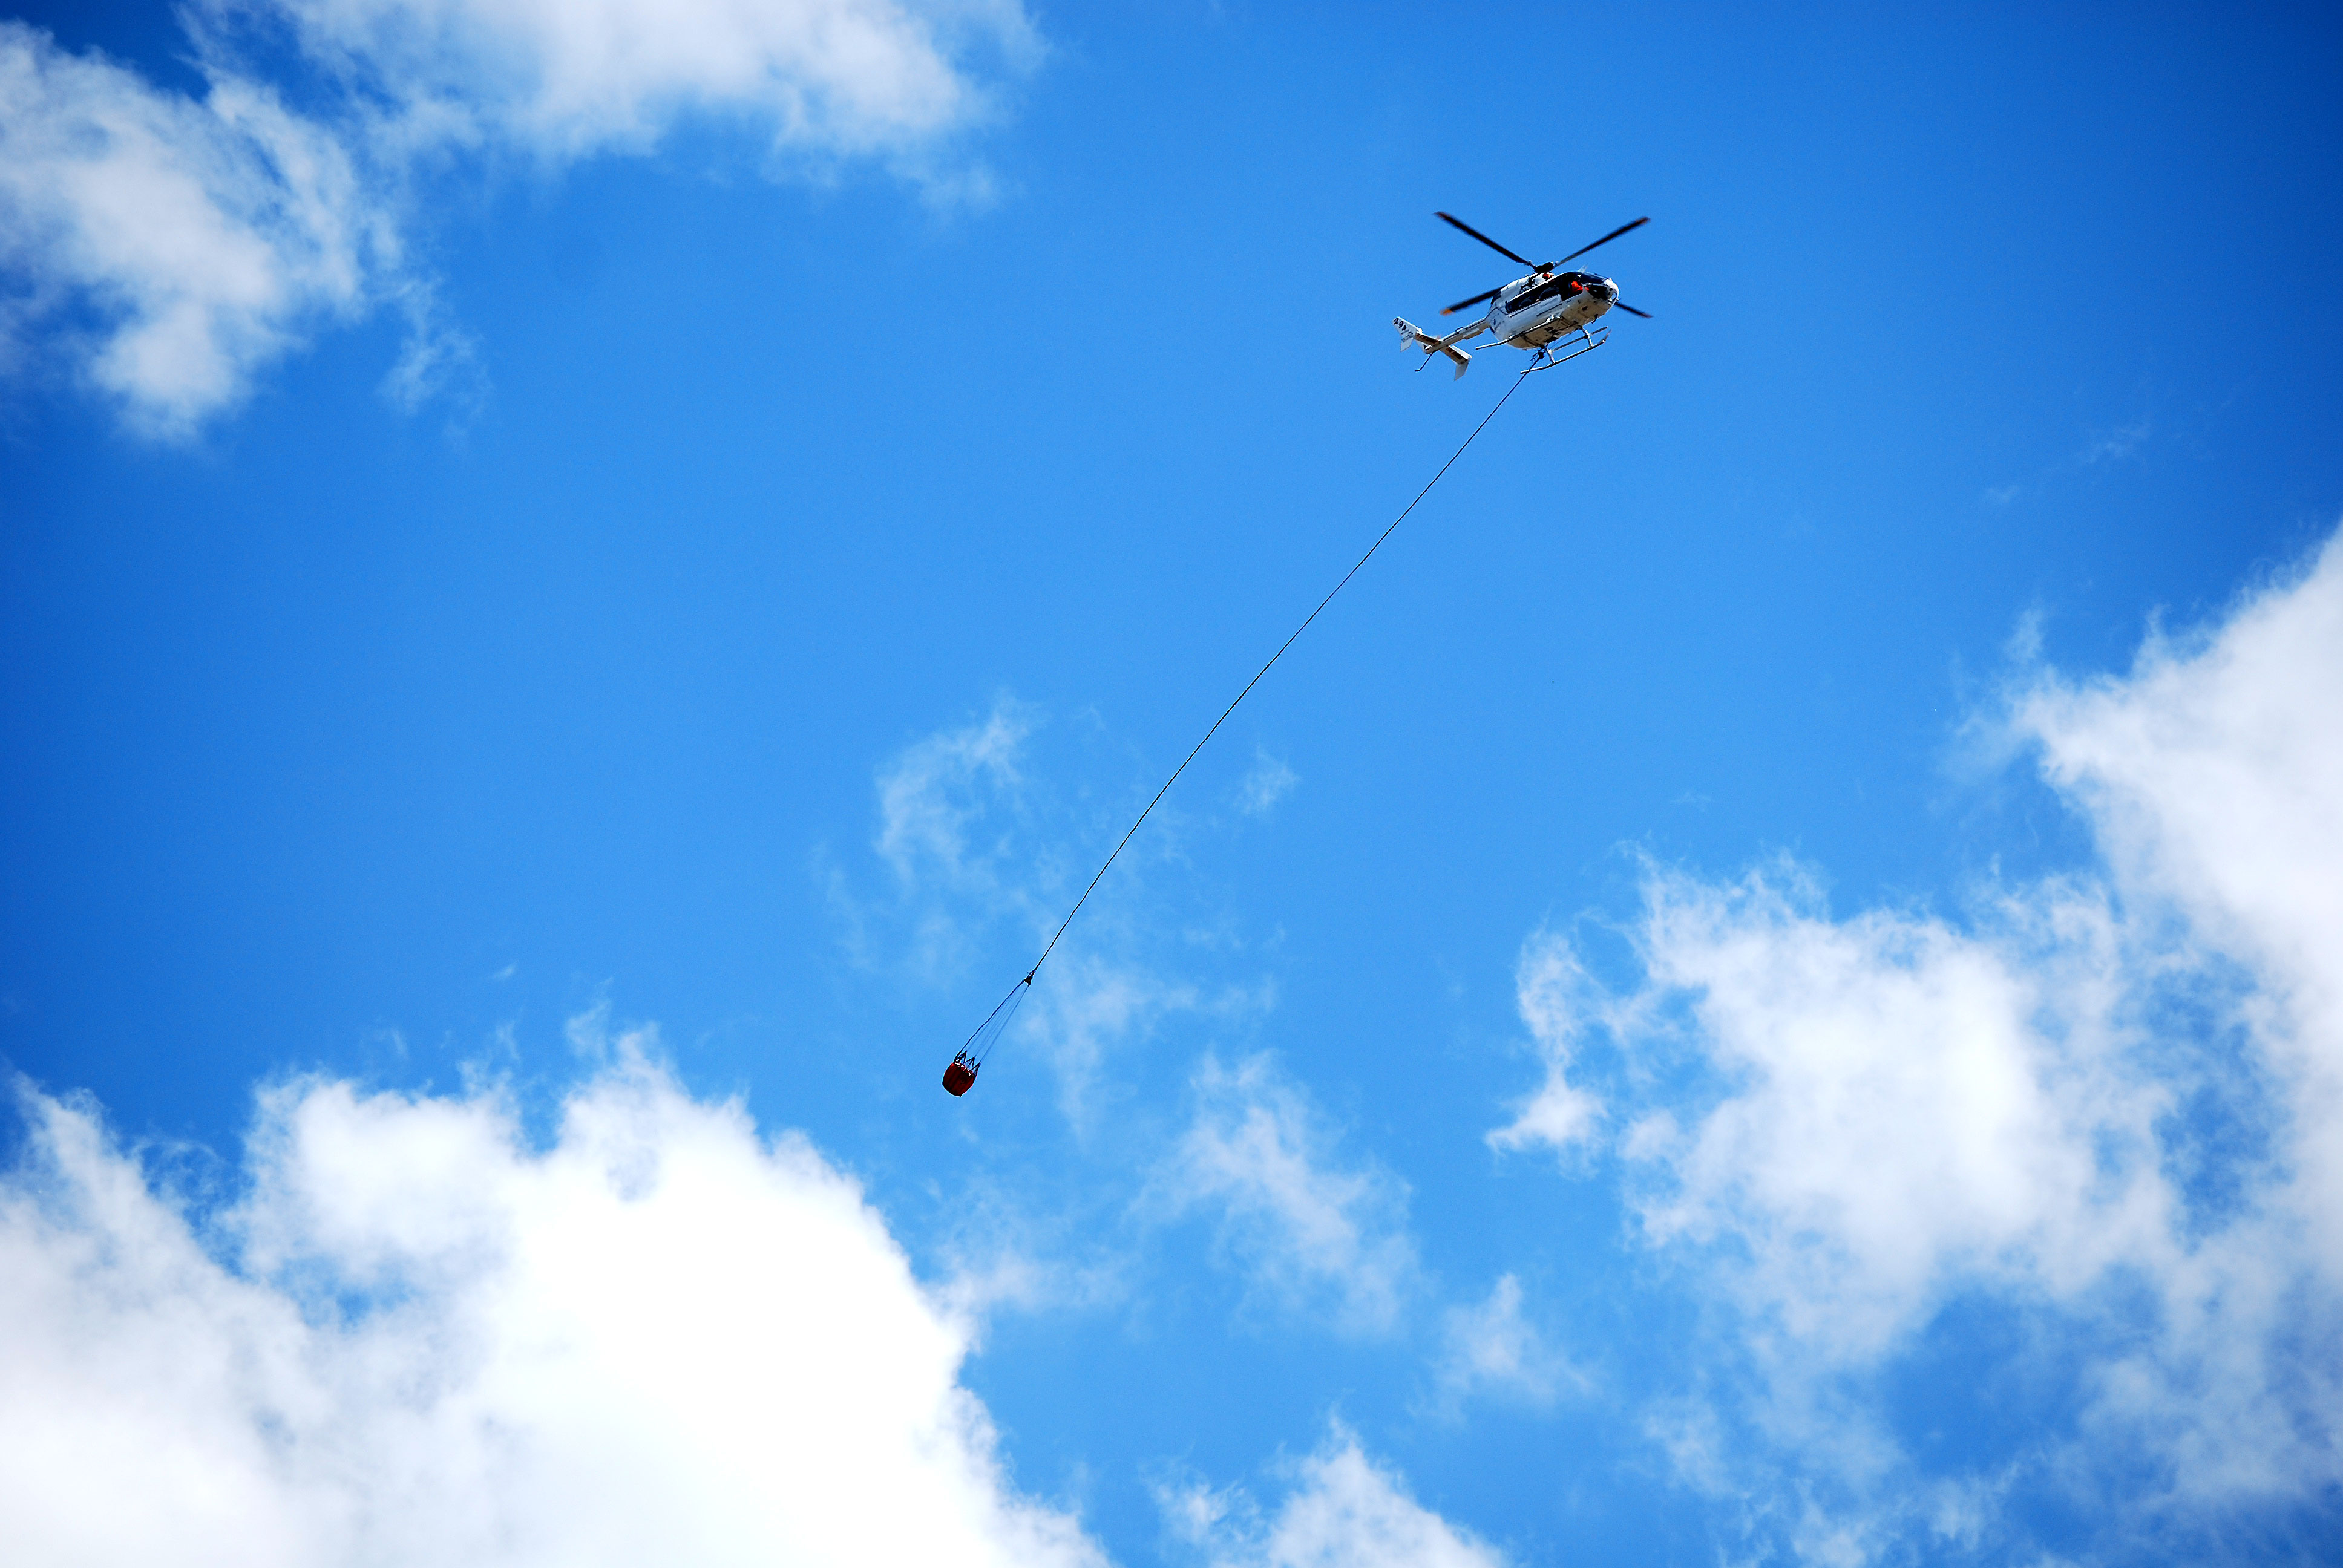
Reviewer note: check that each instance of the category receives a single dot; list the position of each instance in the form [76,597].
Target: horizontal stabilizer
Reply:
[1412,335]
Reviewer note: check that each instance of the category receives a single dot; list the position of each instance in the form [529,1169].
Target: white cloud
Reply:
[1554,995]
[2213,777]
[2112,446]
[168,247]
[951,831]
[1910,1103]
[1313,1235]
[1491,1349]
[932,796]
[1343,1510]
[565,78]
[2112,1103]
[658,1339]
[1091,1008]
[1268,782]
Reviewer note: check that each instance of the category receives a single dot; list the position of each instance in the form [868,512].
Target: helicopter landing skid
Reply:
[1546,359]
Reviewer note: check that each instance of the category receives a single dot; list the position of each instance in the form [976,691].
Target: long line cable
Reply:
[990,1030]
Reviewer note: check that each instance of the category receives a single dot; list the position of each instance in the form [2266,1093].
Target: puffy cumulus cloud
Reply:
[2109,1103]
[661,1338]
[1342,1510]
[167,247]
[164,246]
[1911,1105]
[2213,775]
[1313,1235]
[562,78]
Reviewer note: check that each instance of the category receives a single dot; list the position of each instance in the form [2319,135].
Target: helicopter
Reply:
[1532,312]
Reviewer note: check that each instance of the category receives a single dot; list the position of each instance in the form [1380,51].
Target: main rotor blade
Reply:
[1475,300]
[1622,305]
[1493,244]
[1583,249]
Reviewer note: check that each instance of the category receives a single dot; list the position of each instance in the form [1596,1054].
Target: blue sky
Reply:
[1759,988]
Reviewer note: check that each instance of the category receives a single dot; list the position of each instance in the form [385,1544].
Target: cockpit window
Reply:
[1537,295]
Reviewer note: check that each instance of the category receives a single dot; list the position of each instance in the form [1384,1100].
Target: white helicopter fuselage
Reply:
[1530,314]
[1534,311]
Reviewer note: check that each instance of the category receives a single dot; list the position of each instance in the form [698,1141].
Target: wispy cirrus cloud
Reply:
[2114,445]
[1314,1232]
[1341,1509]
[1555,996]
[979,849]
[1491,1350]
[951,809]
[420,1338]
[1267,782]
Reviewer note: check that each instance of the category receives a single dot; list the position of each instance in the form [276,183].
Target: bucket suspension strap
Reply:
[979,1044]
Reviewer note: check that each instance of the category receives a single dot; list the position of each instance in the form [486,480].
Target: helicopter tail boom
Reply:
[1414,337]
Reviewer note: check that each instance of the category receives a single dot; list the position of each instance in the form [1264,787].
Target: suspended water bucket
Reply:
[960,1074]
